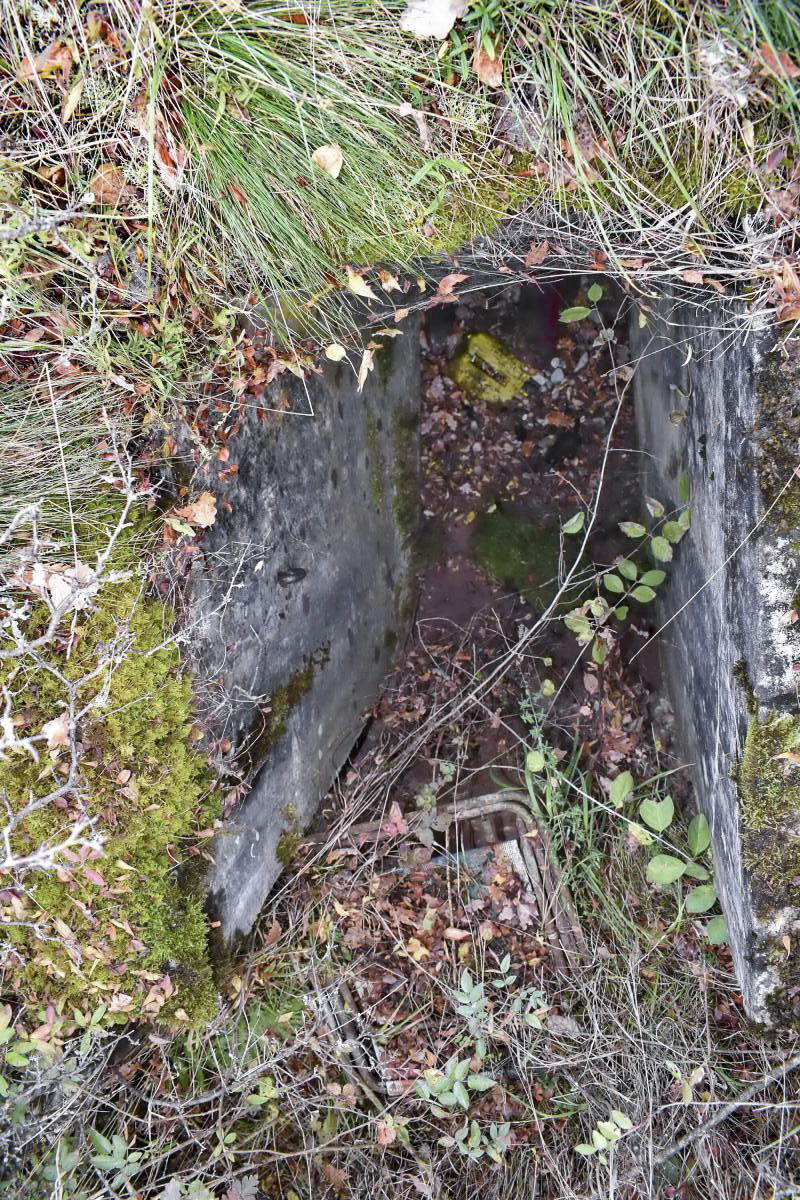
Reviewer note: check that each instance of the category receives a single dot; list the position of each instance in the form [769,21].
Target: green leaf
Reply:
[662,551]
[685,519]
[684,488]
[698,834]
[599,1142]
[613,583]
[701,899]
[664,869]
[449,1098]
[696,871]
[632,529]
[672,531]
[653,578]
[599,651]
[595,293]
[480,1083]
[643,594]
[654,507]
[461,1094]
[620,788]
[585,1150]
[574,314]
[100,1143]
[621,613]
[639,834]
[574,524]
[609,1130]
[622,1119]
[657,814]
[717,931]
[462,1070]
[534,761]
[627,568]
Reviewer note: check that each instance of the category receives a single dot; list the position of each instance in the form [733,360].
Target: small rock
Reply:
[561,1026]
[557,376]
[582,361]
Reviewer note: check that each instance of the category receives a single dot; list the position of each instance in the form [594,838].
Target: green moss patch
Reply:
[519,553]
[769,790]
[488,370]
[119,928]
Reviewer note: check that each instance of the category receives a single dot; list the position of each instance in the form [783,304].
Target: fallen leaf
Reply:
[561,419]
[57,731]
[417,950]
[779,63]
[358,285]
[329,159]
[72,101]
[455,935]
[432,18]
[108,184]
[202,511]
[274,934]
[55,57]
[489,70]
[389,282]
[335,352]
[537,254]
[590,683]
[367,363]
[692,277]
[386,1133]
[334,1175]
[447,284]
[396,823]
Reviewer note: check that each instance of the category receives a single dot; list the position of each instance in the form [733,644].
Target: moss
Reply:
[376,463]
[111,928]
[269,725]
[769,792]
[288,845]
[405,471]
[740,674]
[518,553]
[383,360]
[776,431]
[488,370]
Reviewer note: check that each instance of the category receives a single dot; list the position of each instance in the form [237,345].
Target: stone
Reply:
[304,593]
[730,646]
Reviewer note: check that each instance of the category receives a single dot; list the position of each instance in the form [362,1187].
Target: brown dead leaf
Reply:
[57,57]
[108,184]
[561,420]
[389,282]
[334,1175]
[201,512]
[692,276]
[396,823]
[274,935]
[489,70]
[455,935]
[447,284]
[537,254]
[386,1133]
[777,63]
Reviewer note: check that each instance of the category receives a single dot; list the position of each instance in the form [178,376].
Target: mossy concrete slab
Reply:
[300,597]
[487,370]
[710,400]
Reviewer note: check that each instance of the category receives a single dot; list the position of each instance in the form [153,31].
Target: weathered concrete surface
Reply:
[706,404]
[304,595]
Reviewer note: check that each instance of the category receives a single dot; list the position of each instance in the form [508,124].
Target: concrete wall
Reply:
[301,597]
[711,402]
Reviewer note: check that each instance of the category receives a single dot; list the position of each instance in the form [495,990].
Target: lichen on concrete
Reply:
[487,370]
[776,434]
